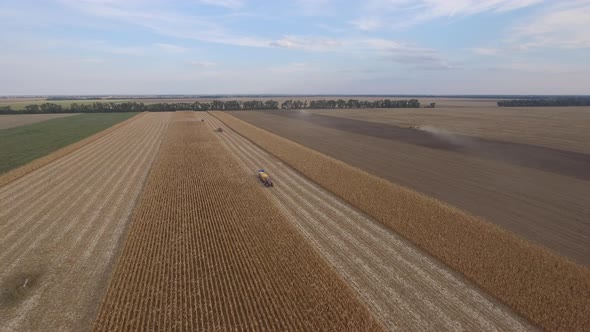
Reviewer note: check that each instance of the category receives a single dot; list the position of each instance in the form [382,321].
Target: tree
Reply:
[32,108]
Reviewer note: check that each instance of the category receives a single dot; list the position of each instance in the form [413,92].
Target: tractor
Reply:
[264,178]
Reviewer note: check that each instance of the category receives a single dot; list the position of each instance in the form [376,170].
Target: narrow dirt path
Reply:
[60,227]
[404,287]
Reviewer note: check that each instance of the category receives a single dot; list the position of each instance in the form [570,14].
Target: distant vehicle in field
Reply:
[264,178]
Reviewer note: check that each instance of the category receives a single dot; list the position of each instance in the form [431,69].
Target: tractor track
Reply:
[61,225]
[207,251]
[404,287]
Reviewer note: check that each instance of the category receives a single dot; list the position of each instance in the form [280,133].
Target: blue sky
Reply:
[294,47]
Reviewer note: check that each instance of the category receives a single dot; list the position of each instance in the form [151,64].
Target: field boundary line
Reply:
[206,251]
[545,288]
[112,264]
[23,170]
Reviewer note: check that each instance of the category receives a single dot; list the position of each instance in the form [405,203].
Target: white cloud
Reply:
[91,60]
[231,4]
[306,43]
[166,23]
[314,7]
[565,25]
[367,23]
[409,56]
[406,55]
[293,68]
[449,8]
[205,64]
[135,51]
[484,51]
[170,48]
[105,47]
[413,12]
[539,67]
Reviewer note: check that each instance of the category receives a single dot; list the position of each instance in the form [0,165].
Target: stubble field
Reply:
[61,226]
[207,251]
[402,285]
[26,144]
[538,192]
[160,223]
[548,289]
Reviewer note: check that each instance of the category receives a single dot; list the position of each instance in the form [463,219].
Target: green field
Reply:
[23,144]
[21,104]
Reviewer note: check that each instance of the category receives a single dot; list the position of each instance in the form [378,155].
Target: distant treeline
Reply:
[556,101]
[98,107]
[350,103]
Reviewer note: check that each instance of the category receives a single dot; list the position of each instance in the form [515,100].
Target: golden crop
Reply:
[548,289]
[207,250]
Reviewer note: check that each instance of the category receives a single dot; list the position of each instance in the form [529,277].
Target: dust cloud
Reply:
[447,136]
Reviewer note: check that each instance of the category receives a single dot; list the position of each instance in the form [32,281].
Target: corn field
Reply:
[547,289]
[207,251]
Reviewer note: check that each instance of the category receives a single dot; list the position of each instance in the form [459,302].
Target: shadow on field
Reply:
[18,287]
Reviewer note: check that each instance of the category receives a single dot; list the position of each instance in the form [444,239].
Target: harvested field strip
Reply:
[563,162]
[404,287]
[59,237]
[208,251]
[545,288]
[550,210]
[42,160]
[564,128]
[20,193]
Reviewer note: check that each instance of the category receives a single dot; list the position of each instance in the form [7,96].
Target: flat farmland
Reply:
[542,194]
[160,223]
[208,251]
[548,289]
[403,286]
[61,226]
[564,128]
[23,144]
[10,121]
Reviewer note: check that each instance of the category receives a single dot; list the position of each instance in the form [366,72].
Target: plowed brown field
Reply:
[564,128]
[207,251]
[60,227]
[547,289]
[539,193]
[406,288]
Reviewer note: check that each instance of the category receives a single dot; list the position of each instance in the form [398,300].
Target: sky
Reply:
[74,47]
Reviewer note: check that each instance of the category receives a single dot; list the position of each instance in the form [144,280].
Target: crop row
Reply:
[61,224]
[207,250]
[40,162]
[547,289]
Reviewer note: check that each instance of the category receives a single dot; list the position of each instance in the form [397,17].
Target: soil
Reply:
[403,286]
[563,128]
[540,193]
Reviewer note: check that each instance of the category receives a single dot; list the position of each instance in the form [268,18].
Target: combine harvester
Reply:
[264,178]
